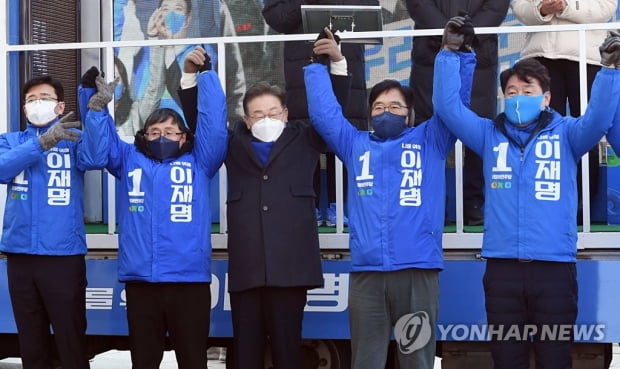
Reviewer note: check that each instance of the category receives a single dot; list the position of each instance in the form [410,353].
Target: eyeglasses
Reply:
[271,115]
[167,134]
[42,99]
[392,108]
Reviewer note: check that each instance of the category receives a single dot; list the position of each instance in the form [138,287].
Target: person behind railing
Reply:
[285,16]
[273,243]
[530,154]
[164,255]
[43,235]
[396,215]
[429,14]
[559,52]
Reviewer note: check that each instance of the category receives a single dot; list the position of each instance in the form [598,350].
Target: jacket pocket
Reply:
[303,191]
[233,197]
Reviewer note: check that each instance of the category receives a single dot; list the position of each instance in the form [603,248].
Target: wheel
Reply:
[320,354]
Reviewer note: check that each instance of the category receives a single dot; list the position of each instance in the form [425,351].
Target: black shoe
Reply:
[474,216]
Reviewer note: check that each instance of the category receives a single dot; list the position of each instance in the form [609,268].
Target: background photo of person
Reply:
[166,19]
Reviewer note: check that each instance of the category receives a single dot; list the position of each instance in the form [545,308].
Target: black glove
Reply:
[467,29]
[207,65]
[323,58]
[105,94]
[88,78]
[453,39]
[60,131]
[610,50]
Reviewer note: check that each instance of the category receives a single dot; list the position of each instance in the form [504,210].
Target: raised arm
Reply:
[601,110]
[450,96]
[211,132]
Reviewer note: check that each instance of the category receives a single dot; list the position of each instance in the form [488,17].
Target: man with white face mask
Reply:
[273,243]
[529,155]
[43,234]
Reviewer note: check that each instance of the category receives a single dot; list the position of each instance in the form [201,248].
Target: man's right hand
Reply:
[196,59]
[453,38]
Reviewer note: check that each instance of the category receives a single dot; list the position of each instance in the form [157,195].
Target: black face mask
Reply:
[163,148]
[387,125]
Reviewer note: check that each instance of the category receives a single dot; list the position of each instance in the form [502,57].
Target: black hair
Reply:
[187,2]
[45,80]
[158,116]
[527,70]
[124,103]
[259,89]
[392,84]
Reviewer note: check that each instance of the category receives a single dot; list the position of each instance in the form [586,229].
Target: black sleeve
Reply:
[189,104]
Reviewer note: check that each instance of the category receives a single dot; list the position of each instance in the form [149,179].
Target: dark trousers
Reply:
[565,91]
[182,310]
[536,297]
[49,290]
[268,313]
[330,176]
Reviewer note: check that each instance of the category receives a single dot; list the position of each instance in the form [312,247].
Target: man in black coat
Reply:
[428,14]
[273,243]
[284,16]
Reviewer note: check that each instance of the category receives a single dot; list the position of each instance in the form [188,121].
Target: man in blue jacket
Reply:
[530,155]
[396,212]
[165,222]
[43,234]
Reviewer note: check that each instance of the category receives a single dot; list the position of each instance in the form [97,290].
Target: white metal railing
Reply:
[339,240]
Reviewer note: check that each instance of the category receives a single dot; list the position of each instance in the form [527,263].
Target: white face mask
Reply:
[40,112]
[267,129]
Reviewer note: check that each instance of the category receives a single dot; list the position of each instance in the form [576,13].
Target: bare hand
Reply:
[552,6]
[328,46]
[194,60]
[157,25]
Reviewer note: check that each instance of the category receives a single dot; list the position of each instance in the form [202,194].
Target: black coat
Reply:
[428,14]
[284,16]
[272,232]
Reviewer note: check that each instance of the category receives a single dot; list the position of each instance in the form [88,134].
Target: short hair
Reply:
[45,80]
[392,84]
[259,89]
[188,6]
[163,114]
[526,70]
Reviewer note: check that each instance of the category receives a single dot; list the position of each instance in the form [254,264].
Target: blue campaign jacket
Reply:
[44,213]
[396,202]
[164,213]
[531,192]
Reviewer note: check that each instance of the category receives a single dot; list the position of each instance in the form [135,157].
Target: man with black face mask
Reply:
[165,221]
[396,179]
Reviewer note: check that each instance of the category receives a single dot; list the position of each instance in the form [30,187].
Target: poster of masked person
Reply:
[168,19]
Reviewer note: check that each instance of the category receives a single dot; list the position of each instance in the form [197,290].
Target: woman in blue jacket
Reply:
[396,181]
[530,155]
[165,223]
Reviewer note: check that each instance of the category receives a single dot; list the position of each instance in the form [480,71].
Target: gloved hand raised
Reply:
[453,38]
[326,48]
[467,29]
[610,50]
[88,78]
[105,94]
[60,131]
[197,61]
